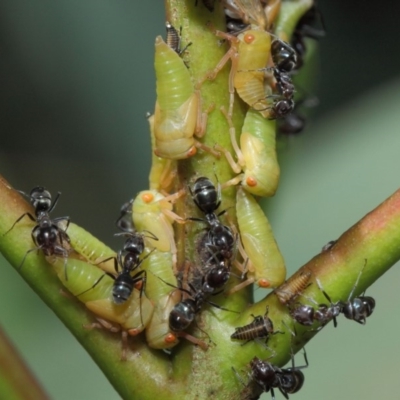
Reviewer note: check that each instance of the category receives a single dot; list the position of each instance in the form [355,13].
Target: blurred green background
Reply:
[76,81]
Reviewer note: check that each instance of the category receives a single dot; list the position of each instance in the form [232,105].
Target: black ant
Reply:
[125,282]
[184,312]
[133,247]
[235,26]
[294,123]
[269,376]
[49,235]
[219,238]
[359,308]
[307,315]
[219,243]
[356,309]
[283,56]
[285,60]
[124,265]
[237,20]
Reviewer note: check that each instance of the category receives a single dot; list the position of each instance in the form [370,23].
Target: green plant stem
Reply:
[374,239]
[370,246]
[16,380]
[291,12]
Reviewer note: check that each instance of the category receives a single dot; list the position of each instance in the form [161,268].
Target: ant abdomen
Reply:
[182,315]
[122,289]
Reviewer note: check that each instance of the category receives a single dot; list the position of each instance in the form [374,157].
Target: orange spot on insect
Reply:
[134,331]
[249,38]
[139,285]
[147,197]
[170,338]
[192,151]
[251,181]
[264,283]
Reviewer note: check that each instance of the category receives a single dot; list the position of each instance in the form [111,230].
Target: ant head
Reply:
[291,380]
[292,124]
[282,108]
[124,221]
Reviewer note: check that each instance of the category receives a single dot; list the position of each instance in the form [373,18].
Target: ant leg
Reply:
[54,202]
[31,217]
[220,307]
[142,290]
[151,235]
[93,286]
[29,251]
[305,359]
[108,259]
[59,250]
[357,280]
[238,376]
